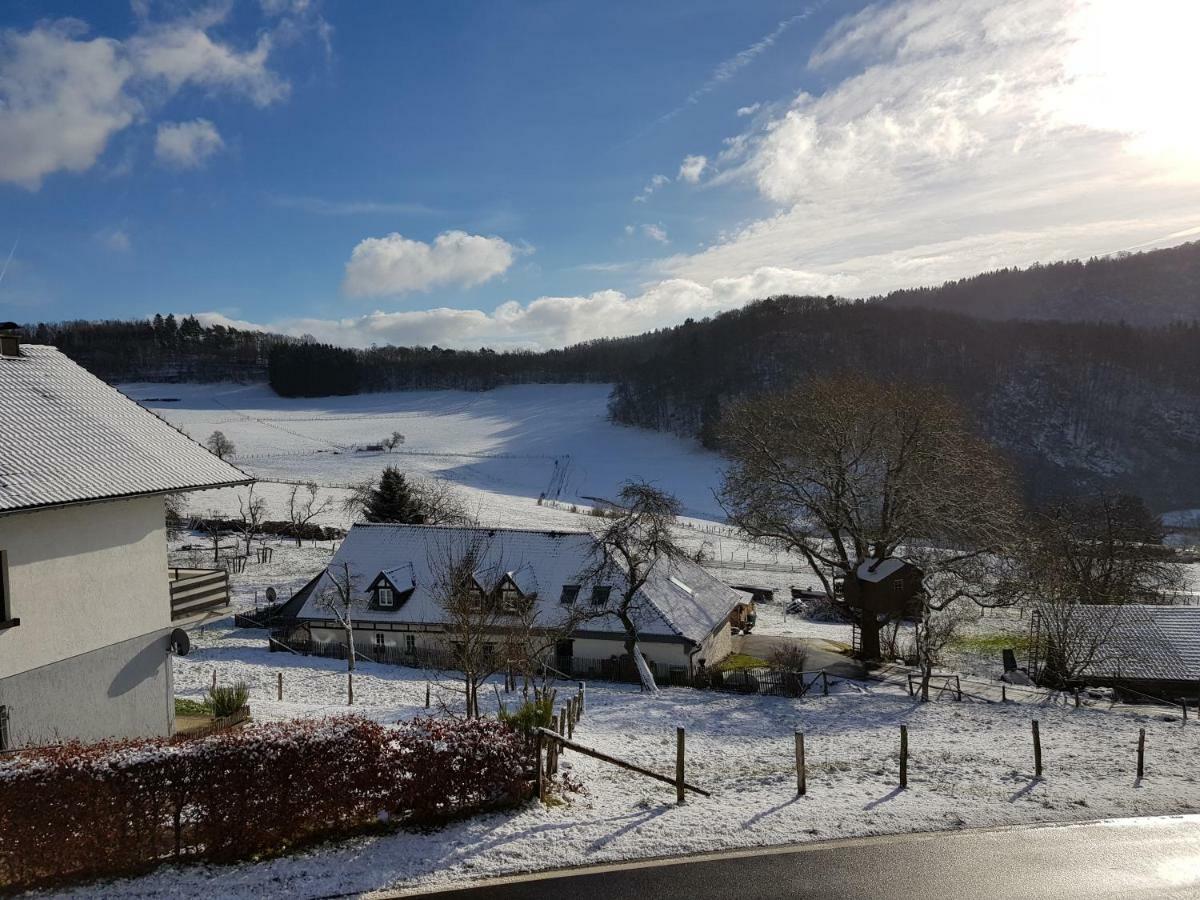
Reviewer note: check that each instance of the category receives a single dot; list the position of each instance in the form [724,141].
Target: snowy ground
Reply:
[971,765]
[971,762]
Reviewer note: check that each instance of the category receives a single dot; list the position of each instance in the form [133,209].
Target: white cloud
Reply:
[186,145]
[62,97]
[183,53]
[556,321]
[656,233]
[115,239]
[748,110]
[692,168]
[968,135]
[651,186]
[395,264]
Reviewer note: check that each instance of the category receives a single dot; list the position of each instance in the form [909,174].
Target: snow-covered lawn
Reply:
[971,765]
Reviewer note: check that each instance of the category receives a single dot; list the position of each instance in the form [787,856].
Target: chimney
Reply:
[10,339]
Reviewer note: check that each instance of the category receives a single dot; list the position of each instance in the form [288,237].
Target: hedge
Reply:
[120,807]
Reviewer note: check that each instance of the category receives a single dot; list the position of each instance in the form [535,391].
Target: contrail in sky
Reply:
[10,256]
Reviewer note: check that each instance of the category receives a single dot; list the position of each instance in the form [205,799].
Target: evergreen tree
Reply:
[393,500]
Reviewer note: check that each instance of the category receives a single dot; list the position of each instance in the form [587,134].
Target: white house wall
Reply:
[89,658]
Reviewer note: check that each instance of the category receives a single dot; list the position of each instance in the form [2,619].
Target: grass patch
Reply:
[186,707]
[991,643]
[736,662]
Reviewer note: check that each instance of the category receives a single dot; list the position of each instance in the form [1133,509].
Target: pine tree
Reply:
[393,500]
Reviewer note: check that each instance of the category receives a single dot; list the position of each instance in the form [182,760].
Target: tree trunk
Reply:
[349,647]
[868,628]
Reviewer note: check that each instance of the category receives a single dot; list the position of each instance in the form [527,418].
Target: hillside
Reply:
[1153,288]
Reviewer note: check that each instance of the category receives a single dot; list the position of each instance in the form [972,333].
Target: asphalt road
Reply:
[1125,858]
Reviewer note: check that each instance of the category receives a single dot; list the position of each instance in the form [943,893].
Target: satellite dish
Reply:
[181,644]
[271,595]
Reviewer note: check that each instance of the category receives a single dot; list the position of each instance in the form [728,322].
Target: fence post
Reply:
[279,685]
[1183,703]
[958,688]
[1003,692]
[679,747]
[1077,698]
[582,702]
[214,684]
[824,684]
[1037,750]
[349,688]
[903,756]
[538,741]
[1141,752]
[427,695]
[801,776]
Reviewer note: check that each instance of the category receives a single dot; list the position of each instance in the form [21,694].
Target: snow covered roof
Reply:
[537,561]
[67,437]
[1147,642]
[875,570]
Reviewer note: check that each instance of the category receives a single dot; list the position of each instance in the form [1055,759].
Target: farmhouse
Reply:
[682,612]
[87,603]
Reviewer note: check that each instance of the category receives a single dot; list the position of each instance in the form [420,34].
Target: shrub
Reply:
[120,807]
[530,715]
[225,700]
[186,707]
[449,768]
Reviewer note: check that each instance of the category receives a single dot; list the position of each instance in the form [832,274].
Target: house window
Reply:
[410,643]
[379,640]
[600,595]
[489,652]
[386,598]
[7,620]
[898,586]
[570,594]
[5,742]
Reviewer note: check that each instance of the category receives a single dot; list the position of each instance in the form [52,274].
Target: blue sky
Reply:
[539,173]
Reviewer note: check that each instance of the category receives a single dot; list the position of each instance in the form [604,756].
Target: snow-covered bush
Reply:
[453,767]
[119,807]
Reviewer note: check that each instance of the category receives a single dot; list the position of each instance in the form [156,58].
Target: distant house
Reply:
[1146,649]
[683,612]
[86,596]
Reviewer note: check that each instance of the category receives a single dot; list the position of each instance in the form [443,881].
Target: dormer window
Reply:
[600,594]
[570,593]
[386,598]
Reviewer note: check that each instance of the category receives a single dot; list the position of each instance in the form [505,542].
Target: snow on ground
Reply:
[504,445]
[970,765]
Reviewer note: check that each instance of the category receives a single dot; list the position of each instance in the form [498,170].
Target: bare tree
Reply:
[212,529]
[252,511]
[629,545]
[340,597]
[1083,561]
[175,514]
[220,445]
[465,576]
[303,508]
[845,470]
[394,441]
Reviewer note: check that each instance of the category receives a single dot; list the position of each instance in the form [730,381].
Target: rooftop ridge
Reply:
[505,528]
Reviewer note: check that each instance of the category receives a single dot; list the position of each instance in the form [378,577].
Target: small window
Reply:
[898,586]
[5,741]
[570,594]
[387,598]
[410,643]
[600,595]
[379,640]
[489,652]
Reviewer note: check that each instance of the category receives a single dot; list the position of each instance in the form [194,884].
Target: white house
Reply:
[85,591]
[681,613]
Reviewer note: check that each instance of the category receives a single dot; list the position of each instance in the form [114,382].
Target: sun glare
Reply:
[1131,69]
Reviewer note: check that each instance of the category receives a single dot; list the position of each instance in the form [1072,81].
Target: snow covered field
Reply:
[971,765]
[503,447]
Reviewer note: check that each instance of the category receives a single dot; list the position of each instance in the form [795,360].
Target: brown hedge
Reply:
[120,807]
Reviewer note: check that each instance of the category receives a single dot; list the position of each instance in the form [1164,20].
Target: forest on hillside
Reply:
[1089,399]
